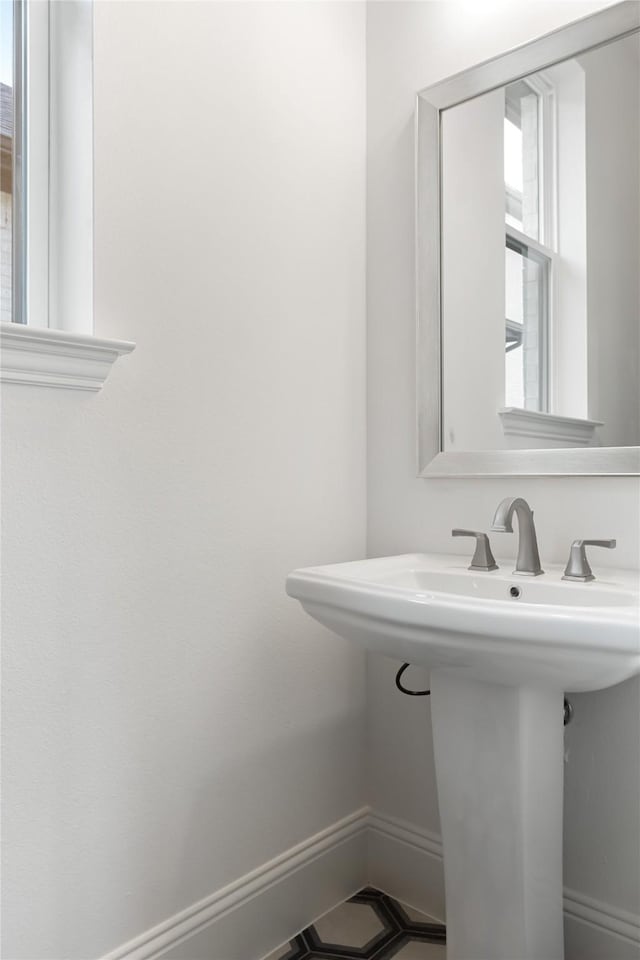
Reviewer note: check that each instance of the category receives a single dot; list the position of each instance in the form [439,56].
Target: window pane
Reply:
[6,151]
[526,275]
[512,155]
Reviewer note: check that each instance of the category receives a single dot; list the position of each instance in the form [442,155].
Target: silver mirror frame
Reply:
[609,24]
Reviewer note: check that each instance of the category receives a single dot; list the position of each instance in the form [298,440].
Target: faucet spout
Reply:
[528,562]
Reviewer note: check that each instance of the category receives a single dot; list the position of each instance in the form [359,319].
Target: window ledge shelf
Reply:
[573,431]
[55,358]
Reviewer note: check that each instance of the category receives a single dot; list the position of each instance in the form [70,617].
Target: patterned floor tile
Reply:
[349,925]
[421,951]
[369,926]
[412,914]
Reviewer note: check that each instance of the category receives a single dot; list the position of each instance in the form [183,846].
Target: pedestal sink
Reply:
[502,651]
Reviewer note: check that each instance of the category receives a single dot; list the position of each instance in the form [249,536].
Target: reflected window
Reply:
[526,337]
[528,259]
[521,158]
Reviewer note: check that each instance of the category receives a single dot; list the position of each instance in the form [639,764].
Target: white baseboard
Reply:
[406,862]
[252,916]
[599,931]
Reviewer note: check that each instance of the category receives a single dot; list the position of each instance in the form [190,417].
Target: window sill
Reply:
[54,358]
[570,431]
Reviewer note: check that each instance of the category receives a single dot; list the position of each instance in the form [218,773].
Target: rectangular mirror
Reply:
[528,245]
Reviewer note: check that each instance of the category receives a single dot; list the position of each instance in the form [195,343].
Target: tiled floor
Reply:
[369,926]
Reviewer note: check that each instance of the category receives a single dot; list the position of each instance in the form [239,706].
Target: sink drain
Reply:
[514,592]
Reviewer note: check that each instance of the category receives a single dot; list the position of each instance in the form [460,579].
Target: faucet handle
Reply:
[577,567]
[483,558]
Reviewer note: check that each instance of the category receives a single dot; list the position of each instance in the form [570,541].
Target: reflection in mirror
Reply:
[541,258]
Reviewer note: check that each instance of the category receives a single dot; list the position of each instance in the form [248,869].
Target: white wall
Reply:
[473,273]
[569,323]
[613,238]
[409,46]
[172,719]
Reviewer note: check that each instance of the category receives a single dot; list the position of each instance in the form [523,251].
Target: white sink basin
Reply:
[431,610]
[501,650]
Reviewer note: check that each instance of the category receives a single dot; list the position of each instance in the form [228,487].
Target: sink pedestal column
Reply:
[499,770]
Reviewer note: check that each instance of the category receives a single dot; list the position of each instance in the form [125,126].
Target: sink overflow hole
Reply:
[514,591]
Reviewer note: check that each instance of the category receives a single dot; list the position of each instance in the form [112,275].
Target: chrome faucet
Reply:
[577,567]
[483,559]
[528,562]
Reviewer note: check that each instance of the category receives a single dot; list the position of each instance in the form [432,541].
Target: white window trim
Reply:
[541,85]
[43,357]
[535,425]
[54,345]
